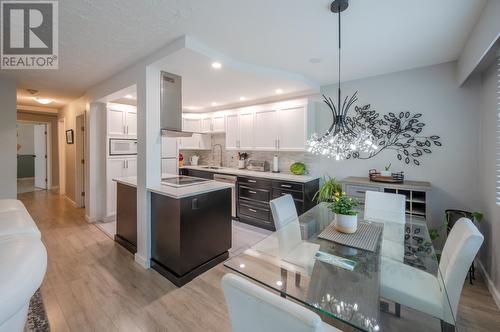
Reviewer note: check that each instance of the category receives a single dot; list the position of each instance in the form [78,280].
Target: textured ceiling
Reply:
[100,38]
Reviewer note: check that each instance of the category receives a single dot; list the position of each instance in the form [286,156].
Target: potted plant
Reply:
[327,191]
[346,218]
[387,170]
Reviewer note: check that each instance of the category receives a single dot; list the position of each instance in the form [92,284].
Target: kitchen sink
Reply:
[211,167]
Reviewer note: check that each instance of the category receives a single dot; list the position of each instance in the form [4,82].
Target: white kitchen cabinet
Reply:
[246,131]
[232,131]
[218,124]
[265,134]
[117,168]
[196,142]
[169,147]
[206,124]
[169,166]
[122,121]
[292,130]
[191,124]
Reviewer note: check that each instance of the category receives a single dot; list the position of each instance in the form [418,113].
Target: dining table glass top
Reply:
[357,287]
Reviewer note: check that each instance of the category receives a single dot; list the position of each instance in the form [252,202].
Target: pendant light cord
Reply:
[338,90]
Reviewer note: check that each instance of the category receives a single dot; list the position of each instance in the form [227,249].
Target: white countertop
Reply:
[268,175]
[180,192]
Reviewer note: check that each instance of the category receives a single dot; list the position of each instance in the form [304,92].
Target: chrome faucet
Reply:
[213,150]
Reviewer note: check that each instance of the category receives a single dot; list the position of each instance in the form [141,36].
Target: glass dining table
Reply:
[347,285]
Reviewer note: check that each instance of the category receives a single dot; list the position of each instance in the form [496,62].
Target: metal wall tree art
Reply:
[401,133]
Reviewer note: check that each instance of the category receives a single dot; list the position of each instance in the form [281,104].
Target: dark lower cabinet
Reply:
[190,235]
[254,195]
[126,217]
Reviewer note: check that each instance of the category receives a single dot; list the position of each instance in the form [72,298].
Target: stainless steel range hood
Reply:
[171,106]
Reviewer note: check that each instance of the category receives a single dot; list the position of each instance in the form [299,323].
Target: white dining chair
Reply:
[252,308]
[427,293]
[389,209]
[291,247]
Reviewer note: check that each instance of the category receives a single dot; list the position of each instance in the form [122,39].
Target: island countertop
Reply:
[180,192]
[244,172]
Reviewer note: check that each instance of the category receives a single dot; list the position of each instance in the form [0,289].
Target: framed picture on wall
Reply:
[69,136]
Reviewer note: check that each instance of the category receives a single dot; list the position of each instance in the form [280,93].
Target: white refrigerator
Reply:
[169,155]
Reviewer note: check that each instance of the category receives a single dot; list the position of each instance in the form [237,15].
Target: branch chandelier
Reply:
[342,138]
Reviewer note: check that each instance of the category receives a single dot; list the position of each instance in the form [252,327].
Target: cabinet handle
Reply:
[252,181]
[124,131]
[127,163]
[278,144]
[252,192]
[127,129]
[361,192]
[286,186]
[252,210]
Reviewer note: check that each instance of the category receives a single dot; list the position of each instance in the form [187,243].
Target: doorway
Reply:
[33,161]
[80,161]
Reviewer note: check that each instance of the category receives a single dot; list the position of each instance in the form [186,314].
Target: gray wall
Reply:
[8,166]
[490,227]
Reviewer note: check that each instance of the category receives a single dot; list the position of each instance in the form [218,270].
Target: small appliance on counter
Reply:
[258,165]
[181,160]
[276,168]
[194,160]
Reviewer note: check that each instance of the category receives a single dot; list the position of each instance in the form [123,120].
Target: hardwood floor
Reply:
[93,284]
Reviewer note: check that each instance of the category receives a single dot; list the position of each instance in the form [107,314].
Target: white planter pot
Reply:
[386,173]
[241,164]
[346,224]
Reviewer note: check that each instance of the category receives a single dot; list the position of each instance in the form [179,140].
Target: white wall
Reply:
[26,138]
[448,111]
[8,141]
[490,226]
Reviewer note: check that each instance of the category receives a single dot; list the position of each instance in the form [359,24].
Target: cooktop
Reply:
[182,181]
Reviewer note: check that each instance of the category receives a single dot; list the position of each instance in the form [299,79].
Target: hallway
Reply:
[93,284]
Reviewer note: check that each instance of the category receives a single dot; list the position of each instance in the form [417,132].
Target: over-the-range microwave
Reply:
[122,147]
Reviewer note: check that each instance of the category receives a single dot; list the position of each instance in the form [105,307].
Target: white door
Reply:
[168,147]
[41,156]
[169,166]
[292,133]
[116,122]
[218,124]
[232,132]
[131,124]
[131,167]
[266,135]
[206,125]
[115,169]
[246,139]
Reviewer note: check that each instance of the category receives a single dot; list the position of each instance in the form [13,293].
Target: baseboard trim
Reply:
[143,262]
[90,219]
[109,218]
[491,286]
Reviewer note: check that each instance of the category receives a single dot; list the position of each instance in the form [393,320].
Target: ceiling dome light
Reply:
[216,65]
[43,101]
[214,103]
[129,97]
[278,91]
[242,98]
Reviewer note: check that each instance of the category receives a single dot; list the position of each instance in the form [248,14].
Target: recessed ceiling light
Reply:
[214,103]
[278,91]
[216,65]
[129,97]
[43,101]
[242,98]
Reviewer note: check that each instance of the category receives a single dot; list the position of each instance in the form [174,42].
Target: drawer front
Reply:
[254,212]
[254,182]
[256,194]
[359,191]
[281,192]
[288,185]
[200,174]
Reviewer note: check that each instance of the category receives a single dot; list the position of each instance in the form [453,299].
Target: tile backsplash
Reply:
[230,158]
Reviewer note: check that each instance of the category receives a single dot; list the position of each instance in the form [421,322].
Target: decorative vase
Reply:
[345,223]
[241,163]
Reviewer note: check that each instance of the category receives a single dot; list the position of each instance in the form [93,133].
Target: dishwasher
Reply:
[229,179]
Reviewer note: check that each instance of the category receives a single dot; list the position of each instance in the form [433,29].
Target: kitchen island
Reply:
[190,228]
